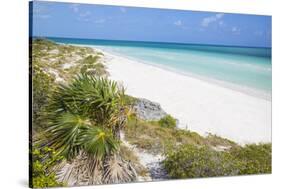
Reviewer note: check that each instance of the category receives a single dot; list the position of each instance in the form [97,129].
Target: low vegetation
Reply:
[43,86]
[43,161]
[254,158]
[189,161]
[168,121]
[189,155]
[156,138]
[63,62]
[92,65]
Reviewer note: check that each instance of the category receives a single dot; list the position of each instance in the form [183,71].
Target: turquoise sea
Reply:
[247,67]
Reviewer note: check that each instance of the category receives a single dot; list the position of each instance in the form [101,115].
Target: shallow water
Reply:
[246,67]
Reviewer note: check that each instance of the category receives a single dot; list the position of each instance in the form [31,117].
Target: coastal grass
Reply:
[63,62]
[152,136]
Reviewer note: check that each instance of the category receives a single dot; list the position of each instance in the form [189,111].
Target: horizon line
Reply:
[177,43]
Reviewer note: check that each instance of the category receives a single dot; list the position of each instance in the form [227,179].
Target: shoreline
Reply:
[220,110]
[232,86]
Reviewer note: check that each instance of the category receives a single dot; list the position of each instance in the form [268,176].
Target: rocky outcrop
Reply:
[148,110]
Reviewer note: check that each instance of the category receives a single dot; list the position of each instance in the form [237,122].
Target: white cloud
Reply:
[123,9]
[212,19]
[178,23]
[82,16]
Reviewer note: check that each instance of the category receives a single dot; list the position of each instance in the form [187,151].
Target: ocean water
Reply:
[245,67]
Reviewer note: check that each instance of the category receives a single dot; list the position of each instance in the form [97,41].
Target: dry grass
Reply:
[156,139]
[129,156]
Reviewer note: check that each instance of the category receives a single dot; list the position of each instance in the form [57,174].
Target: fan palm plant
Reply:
[85,120]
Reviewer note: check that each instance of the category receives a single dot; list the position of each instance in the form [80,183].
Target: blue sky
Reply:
[52,19]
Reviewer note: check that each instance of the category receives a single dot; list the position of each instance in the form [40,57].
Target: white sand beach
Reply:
[200,106]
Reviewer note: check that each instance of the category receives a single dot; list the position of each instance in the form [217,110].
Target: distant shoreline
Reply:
[157,42]
[199,106]
[243,89]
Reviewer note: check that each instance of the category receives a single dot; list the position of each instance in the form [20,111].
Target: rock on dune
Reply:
[148,110]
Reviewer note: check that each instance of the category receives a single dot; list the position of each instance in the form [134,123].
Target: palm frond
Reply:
[64,133]
[117,170]
[82,170]
[98,142]
[98,98]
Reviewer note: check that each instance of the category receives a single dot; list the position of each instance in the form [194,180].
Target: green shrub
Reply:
[254,159]
[130,100]
[43,161]
[39,44]
[168,121]
[189,161]
[91,65]
[42,88]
